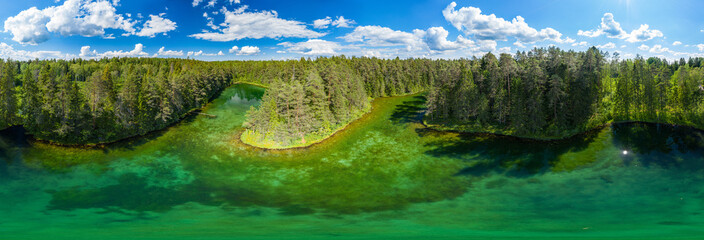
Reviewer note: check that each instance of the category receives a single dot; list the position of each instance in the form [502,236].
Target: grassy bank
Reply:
[264,141]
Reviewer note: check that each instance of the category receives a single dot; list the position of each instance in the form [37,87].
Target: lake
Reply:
[385,176]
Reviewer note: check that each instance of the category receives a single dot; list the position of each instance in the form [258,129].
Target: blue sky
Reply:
[268,29]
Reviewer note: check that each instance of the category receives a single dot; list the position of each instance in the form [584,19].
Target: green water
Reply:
[384,177]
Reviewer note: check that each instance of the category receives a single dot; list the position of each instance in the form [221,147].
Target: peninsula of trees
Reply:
[542,93]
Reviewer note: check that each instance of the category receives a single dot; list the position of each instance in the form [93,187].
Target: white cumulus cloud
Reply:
[7,51]
[88,18]
[382,36]
[138,51]
[342,22]
[612,29]
[248,50]
[169,53]
[314,47]
[240,24]
[245,50]
[28,27]
[471,21]
[676,43]
[643,33]
[436,39]
[608,27]
[156,25]
[607,46]
[658,49]
[322,23]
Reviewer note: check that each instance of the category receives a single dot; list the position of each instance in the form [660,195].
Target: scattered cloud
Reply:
[313,47]
[156,25]
[432,41]
[660,52]
[7,51]
[607,46]
[88,18]
[608,27]
[211,3]
[138,51]
[377,36]
[246,50]
[168,53]
[643,34]
[580,44]
[471,21]
[520,45]
[249,50]
[240,24]
[612,29]
[340,22]
[436,39]
[201,53]
[676,43]
[322,23]
[659,49]
[701,47]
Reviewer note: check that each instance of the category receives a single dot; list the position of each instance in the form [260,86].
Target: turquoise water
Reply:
[384,177]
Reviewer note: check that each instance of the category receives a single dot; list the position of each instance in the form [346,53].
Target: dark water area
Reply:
[386,176]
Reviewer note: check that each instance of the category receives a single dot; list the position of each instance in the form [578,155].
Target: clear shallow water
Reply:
[384,177]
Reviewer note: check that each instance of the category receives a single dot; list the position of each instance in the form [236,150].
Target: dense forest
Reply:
[325,95]
[549,93]
[83,102]
[543,93]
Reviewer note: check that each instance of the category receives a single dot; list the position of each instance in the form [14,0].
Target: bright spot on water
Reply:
[625,152]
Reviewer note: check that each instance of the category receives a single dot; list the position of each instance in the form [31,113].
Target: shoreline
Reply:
[552,139]
[100,145]
[319,141]
[249,83]
[307,144]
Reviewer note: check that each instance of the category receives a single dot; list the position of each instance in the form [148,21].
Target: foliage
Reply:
[84,102]
[552,93]
[539,93]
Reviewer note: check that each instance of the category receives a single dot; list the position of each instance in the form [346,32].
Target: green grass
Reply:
[251,138]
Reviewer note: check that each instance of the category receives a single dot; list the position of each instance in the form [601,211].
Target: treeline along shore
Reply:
[542,93]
